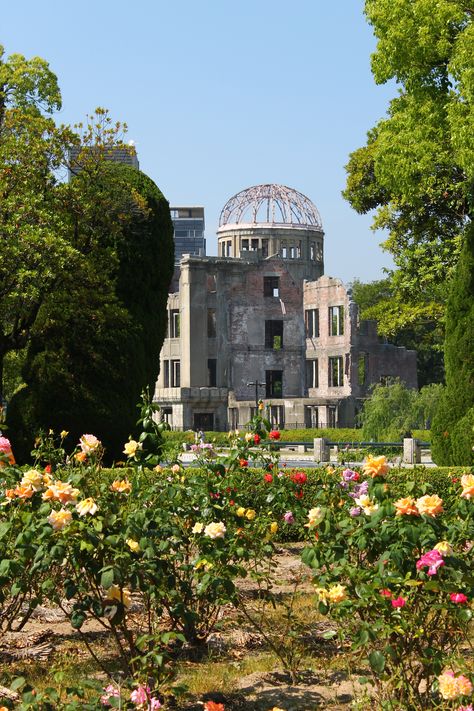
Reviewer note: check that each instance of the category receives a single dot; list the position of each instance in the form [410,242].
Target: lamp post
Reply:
[258,385]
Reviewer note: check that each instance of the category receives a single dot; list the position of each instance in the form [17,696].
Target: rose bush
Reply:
[398,574]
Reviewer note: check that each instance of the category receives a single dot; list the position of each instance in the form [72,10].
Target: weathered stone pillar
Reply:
[321,449]
[411,451]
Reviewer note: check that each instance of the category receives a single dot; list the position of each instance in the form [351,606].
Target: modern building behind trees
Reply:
[261,320]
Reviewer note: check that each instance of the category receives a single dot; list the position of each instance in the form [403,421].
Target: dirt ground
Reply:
[48,634]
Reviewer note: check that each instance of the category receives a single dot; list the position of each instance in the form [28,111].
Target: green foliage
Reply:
[414,325]
[96,344]
[453,436]
[416,167]
[393,410]
[397,614]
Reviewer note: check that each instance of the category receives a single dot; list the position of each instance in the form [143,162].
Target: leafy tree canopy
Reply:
[418,163]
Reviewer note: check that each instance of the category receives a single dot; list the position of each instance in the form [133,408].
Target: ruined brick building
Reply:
[261,320]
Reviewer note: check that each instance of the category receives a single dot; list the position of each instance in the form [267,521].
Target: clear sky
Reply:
[222,95]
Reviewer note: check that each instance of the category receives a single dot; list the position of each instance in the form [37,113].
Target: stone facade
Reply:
[262,321]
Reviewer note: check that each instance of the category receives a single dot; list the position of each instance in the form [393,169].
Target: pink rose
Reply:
[458,598]
[398,602]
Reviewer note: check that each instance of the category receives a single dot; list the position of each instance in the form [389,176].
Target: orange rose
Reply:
[121,487]
[406,507]
[23,491]
[375,466]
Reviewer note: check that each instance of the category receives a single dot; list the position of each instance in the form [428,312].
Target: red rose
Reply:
[48,469]
[269,478]
[299,478]
[274,434]
[256,438]
[243,462]
[385,592]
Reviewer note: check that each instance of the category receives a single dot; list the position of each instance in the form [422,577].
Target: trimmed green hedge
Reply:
[346,434]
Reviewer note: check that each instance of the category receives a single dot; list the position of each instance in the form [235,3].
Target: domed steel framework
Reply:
[270,204]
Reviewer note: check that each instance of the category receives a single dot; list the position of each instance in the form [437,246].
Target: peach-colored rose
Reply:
[89,443]
[406,507]
[464,685]
[24,491]
[59,519]
[430,505]
[375,466]
[61,491]
[467,482]
[121,487]
[448,686]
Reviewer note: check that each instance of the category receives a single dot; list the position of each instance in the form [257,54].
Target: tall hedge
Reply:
[98,339]
[452,428]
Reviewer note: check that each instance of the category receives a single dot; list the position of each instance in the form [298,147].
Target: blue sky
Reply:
[221,95]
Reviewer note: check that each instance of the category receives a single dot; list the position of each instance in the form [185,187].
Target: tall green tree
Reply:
[96,343]
[453,426]
[417,165]
[33,242]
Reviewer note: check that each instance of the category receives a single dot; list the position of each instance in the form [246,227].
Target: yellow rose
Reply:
[444,548]
[273,527]
[249,436]
[322,594]
[59,519]
[158,469]
[375,466]
[123,596]
[315,516]
[240,511]
[133,545]
[87,506]
[366,504]
[337,593]
[216,529]
[131,448]
[32,478]
[63,434]
[198,528]
[250,514]
[430,505]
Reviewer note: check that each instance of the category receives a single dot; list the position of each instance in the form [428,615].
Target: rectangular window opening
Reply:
[336,320]
[311,320]
[271,286]
[274,335]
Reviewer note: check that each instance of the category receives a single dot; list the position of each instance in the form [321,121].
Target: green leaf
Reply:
[77,619]
[377,661]
[17,683]
[107,577]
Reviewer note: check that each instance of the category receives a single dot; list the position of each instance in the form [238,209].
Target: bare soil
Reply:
[48,636]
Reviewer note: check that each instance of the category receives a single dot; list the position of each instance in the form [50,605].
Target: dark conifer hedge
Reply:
[452,428]
[98,339]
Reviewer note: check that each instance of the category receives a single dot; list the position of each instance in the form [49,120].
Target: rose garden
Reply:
[154,557]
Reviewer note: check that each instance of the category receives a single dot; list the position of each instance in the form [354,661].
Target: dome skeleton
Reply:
[278,204]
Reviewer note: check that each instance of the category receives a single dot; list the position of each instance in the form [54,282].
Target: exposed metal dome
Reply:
[270,204]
